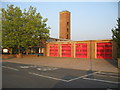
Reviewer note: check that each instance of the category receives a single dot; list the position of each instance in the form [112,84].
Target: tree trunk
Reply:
[10,50]
[26,51]
[19,55]
[18,50]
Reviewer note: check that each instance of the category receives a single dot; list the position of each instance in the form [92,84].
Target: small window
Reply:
[67,23]
[67,36]
[67,30]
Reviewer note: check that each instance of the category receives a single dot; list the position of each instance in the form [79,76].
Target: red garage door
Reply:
[81,50]
[66,50]
[53,49]
[104,50]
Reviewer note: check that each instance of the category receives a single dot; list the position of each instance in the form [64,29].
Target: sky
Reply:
[119,9]
[89,20]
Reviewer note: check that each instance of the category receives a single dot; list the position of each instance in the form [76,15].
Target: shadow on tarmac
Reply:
[112,62]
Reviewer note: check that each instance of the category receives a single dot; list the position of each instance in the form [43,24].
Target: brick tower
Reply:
[64,25]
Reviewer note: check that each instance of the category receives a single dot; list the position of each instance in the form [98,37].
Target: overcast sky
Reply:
[89,20]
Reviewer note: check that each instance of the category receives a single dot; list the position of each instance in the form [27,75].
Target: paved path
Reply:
[71,63]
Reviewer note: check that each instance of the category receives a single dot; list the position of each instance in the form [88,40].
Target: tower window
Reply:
[67,23]
[67,36]
[67,30]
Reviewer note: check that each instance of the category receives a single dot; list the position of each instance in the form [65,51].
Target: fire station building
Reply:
[89,49]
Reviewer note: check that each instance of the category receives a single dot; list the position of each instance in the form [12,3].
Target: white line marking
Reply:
[39,69]
[24,67]
[33,66]
[108,73]
[10,68]
[107,76]
[82,76]
[101,80]
[48,77]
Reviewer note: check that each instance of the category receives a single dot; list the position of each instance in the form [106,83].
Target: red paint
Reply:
[66,50]
[81,50]
[53,49]
[104,50]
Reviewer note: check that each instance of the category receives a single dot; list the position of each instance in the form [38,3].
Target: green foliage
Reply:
[116,35]
[0,30]
[23,29]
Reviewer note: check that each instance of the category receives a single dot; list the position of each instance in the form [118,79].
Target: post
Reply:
[90,56]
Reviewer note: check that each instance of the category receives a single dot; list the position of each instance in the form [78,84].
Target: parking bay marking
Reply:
[48,77]
[62,79]
[107,76]
[10,68]
[109,73]
[101,80]
[82,77]
[41,68]
[112,74]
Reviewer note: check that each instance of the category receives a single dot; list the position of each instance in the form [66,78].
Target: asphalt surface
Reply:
[15,75]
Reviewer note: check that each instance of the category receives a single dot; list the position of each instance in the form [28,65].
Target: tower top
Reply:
[64,11]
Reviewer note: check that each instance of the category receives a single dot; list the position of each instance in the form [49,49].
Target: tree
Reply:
[0,29]
[116,35]
[23,29]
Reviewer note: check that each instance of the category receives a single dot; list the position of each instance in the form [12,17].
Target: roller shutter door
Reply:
[66,50]
[81,50]
[53,50]
[104,50]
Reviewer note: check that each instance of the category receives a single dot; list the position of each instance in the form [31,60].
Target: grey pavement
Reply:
[71,63]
